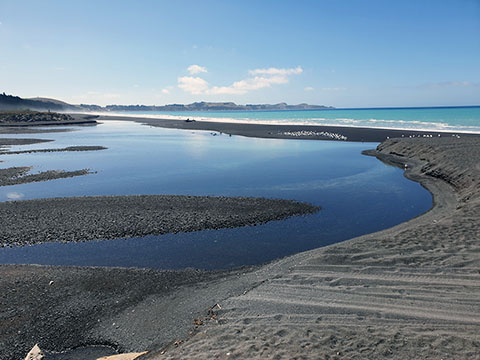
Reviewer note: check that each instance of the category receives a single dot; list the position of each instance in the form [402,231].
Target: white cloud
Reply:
[244,86]
[196,69]
[308,88]
[276,71]
[194,85]
[265,78]
[165,91]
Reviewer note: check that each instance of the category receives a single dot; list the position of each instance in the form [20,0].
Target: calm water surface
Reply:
[359,194]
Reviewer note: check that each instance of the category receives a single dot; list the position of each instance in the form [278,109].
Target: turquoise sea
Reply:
[456,119]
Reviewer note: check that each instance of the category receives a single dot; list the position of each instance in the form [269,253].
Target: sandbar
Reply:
[86,218]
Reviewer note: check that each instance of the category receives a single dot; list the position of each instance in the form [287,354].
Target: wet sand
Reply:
[68,148]
[67,307]
[21,175]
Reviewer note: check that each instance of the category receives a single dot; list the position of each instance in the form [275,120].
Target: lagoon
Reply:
[358,194]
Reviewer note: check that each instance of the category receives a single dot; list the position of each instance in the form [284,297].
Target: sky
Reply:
[342,53]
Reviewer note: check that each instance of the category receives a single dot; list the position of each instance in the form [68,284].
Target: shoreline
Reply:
[385,294]
[65,149]
[300,132]
[21,175]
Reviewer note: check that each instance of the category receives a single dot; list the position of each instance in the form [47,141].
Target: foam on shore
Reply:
[371,123]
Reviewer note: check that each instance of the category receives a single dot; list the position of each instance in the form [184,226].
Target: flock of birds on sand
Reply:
[302,133]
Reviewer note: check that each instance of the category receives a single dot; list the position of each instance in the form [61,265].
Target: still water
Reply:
[358,194]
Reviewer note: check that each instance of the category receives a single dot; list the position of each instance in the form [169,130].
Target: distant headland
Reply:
[10,102]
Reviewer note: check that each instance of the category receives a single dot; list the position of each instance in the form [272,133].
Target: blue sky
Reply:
[344,53]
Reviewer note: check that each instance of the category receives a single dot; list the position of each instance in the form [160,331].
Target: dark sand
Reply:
[284,131]
[68,148]
[13,141]
[411,291]
[111,217]
[20,175]
[67,307]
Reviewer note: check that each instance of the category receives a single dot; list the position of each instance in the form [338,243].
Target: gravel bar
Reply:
[68,148]
[109,217]
[13,141]
[19,175]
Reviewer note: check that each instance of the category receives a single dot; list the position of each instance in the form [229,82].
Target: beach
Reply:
[406,292]
[234,180]
[272,131]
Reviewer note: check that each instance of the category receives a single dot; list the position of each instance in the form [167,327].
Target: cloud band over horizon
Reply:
[259,79]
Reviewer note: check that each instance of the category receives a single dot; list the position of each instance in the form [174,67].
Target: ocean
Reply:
[454,119]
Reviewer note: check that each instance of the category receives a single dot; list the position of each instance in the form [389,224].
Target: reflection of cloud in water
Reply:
[350,181]
[14,195]
[199,144]
[196,145]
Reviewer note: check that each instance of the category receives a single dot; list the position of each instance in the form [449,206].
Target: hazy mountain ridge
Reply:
[214,106]
[10,102]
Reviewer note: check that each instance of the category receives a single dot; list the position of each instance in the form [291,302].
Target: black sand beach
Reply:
[406,292]
[304,132]
[65,307]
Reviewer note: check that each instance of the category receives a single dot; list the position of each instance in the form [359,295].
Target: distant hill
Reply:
[214,106]
[48,100]
[10,102]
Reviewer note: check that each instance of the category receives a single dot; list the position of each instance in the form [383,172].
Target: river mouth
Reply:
[358,194]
